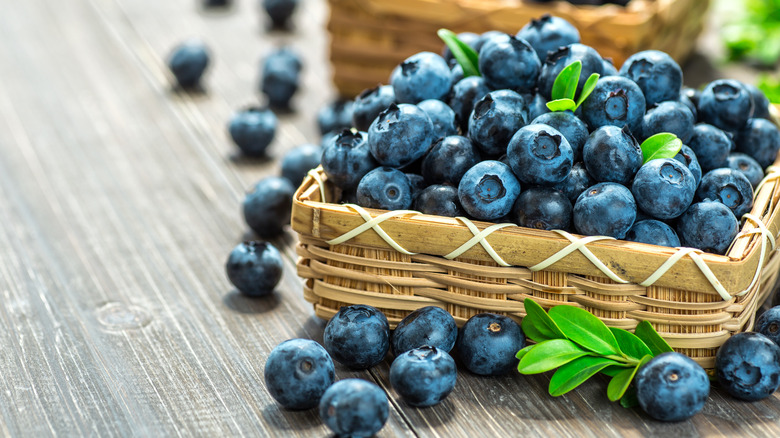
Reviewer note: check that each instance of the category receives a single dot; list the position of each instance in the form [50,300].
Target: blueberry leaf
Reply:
[651,338]
[612,370]
[586,330]
[630,344]
[619,384]
[565,84]
[467,57]
[537,324]
[577,372]
[548,355]
[588,88]
[561,105]
[661,145]
[520,354]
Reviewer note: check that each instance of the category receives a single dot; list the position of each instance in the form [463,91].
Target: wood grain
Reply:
[119,202]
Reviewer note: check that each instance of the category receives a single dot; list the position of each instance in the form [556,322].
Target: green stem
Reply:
[626,360]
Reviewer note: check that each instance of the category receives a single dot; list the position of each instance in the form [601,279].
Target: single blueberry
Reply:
[354,408]
[280,77]
[747,165]
[612,154]
[253,129]
[357,336]
[297,162]
[671,116]
[616,101]
[672,387]
[573,129]
[346,158]
[385,188]
[267,206]
[560,58]
[449,158]
[542,208]
[768,324]
[605,209]
[653,232]
[438,200]
[335,116]
[369,104]
[423,376]
[725,104]
[280,11]
[487,344]
[664,188]
[728,186]
[547,33]
[578,180]
[748,366]
[431,326]
[254,268]
[188,62]
[424,75]
[656,73]
[760,102]
[711,146]
[691,161]
[495,119]
[298,372]
[488,190]
[760,139]
[540,154]
[509,63]
[400,135]
[709,226]
[465,93]
[442,117]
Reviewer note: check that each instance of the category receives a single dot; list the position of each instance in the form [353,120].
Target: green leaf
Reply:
[661,145]
[630,344]
[548,355]
[612,370]
[619,384]
[537,324]
[561,105]
[462,52]
[524,351]
[590,84]
[565,84]
[586,330]
[651,338]
[629,400]
[576,372]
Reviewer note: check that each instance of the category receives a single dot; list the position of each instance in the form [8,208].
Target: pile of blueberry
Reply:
[487,147]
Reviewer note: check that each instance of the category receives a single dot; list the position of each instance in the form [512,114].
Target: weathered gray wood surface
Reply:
[119,202]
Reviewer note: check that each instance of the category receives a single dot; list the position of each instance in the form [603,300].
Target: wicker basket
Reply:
[345,259]
[370,37]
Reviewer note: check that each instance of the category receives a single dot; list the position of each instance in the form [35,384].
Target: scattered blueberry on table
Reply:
[254,268]
[298,372]
[423,376]
[253,129]
[354,408]
[188,61]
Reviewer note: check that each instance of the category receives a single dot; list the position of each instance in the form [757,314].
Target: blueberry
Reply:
[267,206]
[540,154]
[298,372]
[449,158]
[578,180]
[760,102]
[369,104]
[488,190]
[547,33]
[725,104]
[747,165]
[542,208]
[346,158]
[711,146]
[653,232]
[691,161]
[357,336]
[188,61]
[663,188]
[385,188]
[656,73]
[280,77]
[254,268]
[298,161]
[709,226]
[280,11]
[537,105]
[423,376]
[253,129]
[729,187]
[573,129]
[442,117]
[748,366]
[495,119]
[768,324]
[605,209]
[615,101]
[510,63]
[672,387]
[485,37]
[336,116]
[438,200]
[431,326]
[465,93]
[354,408]
[609,68]
[422,76]
[760,139]
[612,154]
[673,117]
[400,135]
[487,344]
[560,58]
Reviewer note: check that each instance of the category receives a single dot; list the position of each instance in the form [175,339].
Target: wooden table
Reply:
[119,203]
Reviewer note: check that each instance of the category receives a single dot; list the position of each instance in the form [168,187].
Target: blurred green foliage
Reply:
[754,35]
[771,87]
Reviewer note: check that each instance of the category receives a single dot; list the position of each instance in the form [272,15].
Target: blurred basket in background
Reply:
[370,37]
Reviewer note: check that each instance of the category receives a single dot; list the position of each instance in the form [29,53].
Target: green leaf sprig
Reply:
[580,345]
[661,145]
[565,87]
[467,57]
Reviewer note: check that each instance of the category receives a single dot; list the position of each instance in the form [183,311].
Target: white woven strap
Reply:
[316,175]
[373,223]
[479,237]
[579,245]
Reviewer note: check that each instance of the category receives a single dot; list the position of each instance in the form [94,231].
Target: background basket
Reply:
[370,37]
[682,304]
